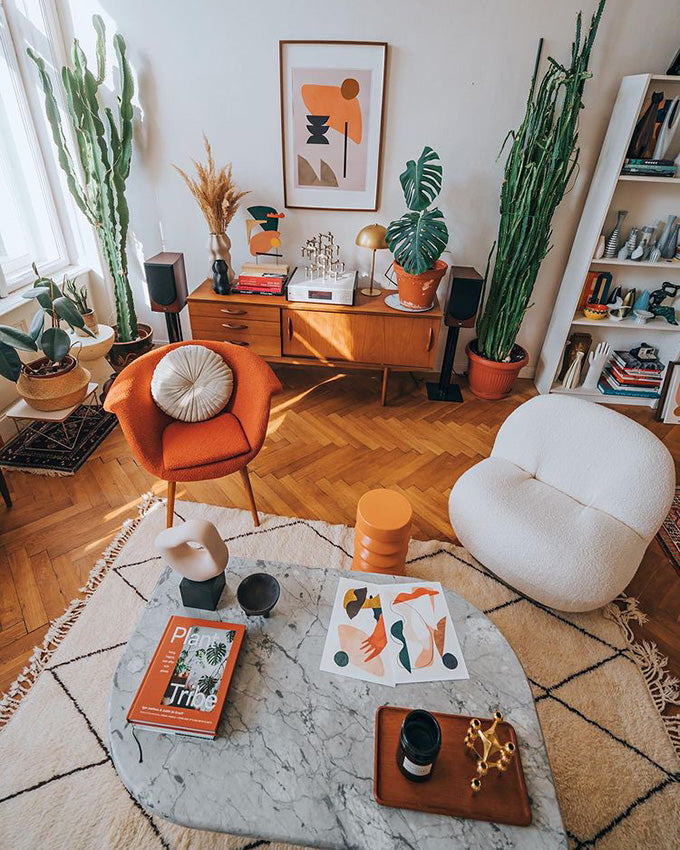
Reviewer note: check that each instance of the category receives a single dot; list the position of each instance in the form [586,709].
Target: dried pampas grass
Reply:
[215,192]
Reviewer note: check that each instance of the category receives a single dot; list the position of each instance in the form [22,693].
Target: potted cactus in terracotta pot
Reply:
[418,239]
[104,151]
[541,166]
[56,380]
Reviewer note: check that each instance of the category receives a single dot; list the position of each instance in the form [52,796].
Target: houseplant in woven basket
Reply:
[104,151]
[56,380]
[418,239]
[218,198]
[540,168]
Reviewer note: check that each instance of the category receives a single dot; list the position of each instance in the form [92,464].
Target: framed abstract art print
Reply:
[668,408]
[332,103]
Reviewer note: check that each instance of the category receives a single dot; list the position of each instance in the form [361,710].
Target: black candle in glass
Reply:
[419,743]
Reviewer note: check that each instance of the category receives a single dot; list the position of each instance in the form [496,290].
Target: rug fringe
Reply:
[47,473]
[60,627]
[663,687]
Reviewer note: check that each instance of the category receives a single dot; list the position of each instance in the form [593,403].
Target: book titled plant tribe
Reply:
[186,683]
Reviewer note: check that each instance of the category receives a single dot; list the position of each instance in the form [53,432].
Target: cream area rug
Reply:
[599,699]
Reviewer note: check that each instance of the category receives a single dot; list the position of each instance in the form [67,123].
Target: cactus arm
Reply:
[100,49]
[54,118]
[125,105]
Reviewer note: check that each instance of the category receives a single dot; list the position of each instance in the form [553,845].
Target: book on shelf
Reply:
[650,167]
[633,380]
[627,362]
[606,388]
[261,268]
[185,685]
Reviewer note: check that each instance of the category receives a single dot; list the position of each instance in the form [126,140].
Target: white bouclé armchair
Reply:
[566,505]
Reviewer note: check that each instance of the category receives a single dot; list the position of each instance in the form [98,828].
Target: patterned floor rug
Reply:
[55,448]
[669,533]
[599,699]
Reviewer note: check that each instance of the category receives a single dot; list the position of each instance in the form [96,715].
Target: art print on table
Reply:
[392,634]
[356,642]
[425,646]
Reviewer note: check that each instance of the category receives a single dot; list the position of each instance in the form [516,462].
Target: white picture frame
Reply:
[333,164]
[669,403]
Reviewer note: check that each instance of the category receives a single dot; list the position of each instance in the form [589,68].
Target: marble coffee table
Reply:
[293,758]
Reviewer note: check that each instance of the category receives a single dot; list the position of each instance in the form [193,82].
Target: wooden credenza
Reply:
[368,335]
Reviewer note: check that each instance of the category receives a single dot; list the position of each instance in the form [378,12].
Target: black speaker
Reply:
[166,280]
[461,312]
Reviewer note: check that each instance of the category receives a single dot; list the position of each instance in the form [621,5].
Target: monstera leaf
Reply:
[417,239]
[422,180]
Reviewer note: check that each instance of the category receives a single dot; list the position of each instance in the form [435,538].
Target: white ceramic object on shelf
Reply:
[667,130]
[597,360]
[573,374]
[642,316]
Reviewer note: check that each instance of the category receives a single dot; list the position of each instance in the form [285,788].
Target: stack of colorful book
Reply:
[629,377]
[650,167]
[262,279]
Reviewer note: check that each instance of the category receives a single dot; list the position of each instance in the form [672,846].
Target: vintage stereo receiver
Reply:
[336,289]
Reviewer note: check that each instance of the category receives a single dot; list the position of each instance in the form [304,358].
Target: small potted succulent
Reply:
[418,239]
[77,295]
[55,380]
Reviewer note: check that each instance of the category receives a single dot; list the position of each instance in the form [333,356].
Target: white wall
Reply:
[458,76]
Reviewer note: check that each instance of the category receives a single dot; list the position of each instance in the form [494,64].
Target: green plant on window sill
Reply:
[103,150]
[77,295]
[53,341]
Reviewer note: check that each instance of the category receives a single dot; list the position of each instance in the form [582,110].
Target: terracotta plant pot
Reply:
[122,353]
[55,391]
[490,379]
[90,319]
[417,291]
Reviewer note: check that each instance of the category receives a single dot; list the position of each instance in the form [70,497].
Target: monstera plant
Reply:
[103,150]
[55,380]
[418,239]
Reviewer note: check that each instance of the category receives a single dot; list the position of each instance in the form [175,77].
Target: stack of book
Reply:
[262,279]
[650,167]
[629,377]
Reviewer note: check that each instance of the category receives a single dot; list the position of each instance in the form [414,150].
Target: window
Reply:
[29,227]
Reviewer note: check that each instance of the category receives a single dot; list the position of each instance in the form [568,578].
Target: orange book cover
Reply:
[186,683]
[588,289]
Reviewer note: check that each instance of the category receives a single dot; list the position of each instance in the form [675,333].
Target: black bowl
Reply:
[258,594]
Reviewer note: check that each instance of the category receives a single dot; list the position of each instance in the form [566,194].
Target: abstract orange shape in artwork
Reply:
[339,103]
[264,241]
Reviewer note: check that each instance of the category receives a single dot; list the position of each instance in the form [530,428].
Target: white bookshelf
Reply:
[647,199]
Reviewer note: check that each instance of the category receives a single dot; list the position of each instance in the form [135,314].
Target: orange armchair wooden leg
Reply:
[172,486]
[249,493]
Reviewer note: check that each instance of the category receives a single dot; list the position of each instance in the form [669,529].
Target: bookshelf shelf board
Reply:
[665,78]
[601,398]
[652,326]
[662,264]
[641,178]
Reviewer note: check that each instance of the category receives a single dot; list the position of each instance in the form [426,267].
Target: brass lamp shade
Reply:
[372,237]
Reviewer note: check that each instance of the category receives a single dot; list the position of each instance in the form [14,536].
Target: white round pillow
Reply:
[191,383]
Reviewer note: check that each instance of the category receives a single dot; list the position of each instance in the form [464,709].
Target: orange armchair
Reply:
[195,451]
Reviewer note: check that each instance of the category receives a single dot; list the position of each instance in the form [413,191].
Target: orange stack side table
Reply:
[382,532]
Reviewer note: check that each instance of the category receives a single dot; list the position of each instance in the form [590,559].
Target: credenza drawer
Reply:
[261,337]
[226,311]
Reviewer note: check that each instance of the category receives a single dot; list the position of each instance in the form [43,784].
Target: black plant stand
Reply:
[4,489]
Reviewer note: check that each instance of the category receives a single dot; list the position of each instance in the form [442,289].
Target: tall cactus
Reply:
[104,150]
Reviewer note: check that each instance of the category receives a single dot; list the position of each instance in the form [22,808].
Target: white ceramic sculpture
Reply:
[194,549]
[597,359]
[667,130]
[573,373]
[191,383]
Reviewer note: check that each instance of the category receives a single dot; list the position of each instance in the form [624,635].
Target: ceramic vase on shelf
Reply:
[613,239]
[220,249]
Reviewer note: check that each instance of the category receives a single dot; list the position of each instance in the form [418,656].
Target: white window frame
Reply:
[37,128]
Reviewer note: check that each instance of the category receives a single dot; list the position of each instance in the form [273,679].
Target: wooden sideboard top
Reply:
[362,303]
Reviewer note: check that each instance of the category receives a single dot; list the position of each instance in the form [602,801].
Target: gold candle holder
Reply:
[494,754]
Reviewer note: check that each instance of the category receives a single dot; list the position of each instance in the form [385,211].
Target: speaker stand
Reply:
[174,327]
[444,390]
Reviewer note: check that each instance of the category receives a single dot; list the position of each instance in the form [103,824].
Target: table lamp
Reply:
[372,237]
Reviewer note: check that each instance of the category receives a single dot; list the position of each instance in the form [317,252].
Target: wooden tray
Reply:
[502,799]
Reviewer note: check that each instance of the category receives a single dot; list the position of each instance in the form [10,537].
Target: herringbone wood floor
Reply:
[329,441]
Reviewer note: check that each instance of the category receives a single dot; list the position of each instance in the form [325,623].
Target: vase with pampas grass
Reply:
[218,198]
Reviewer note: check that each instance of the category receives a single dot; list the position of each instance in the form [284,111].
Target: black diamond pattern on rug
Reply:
[59,448]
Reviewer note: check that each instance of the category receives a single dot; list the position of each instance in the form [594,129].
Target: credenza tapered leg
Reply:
[383,392]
